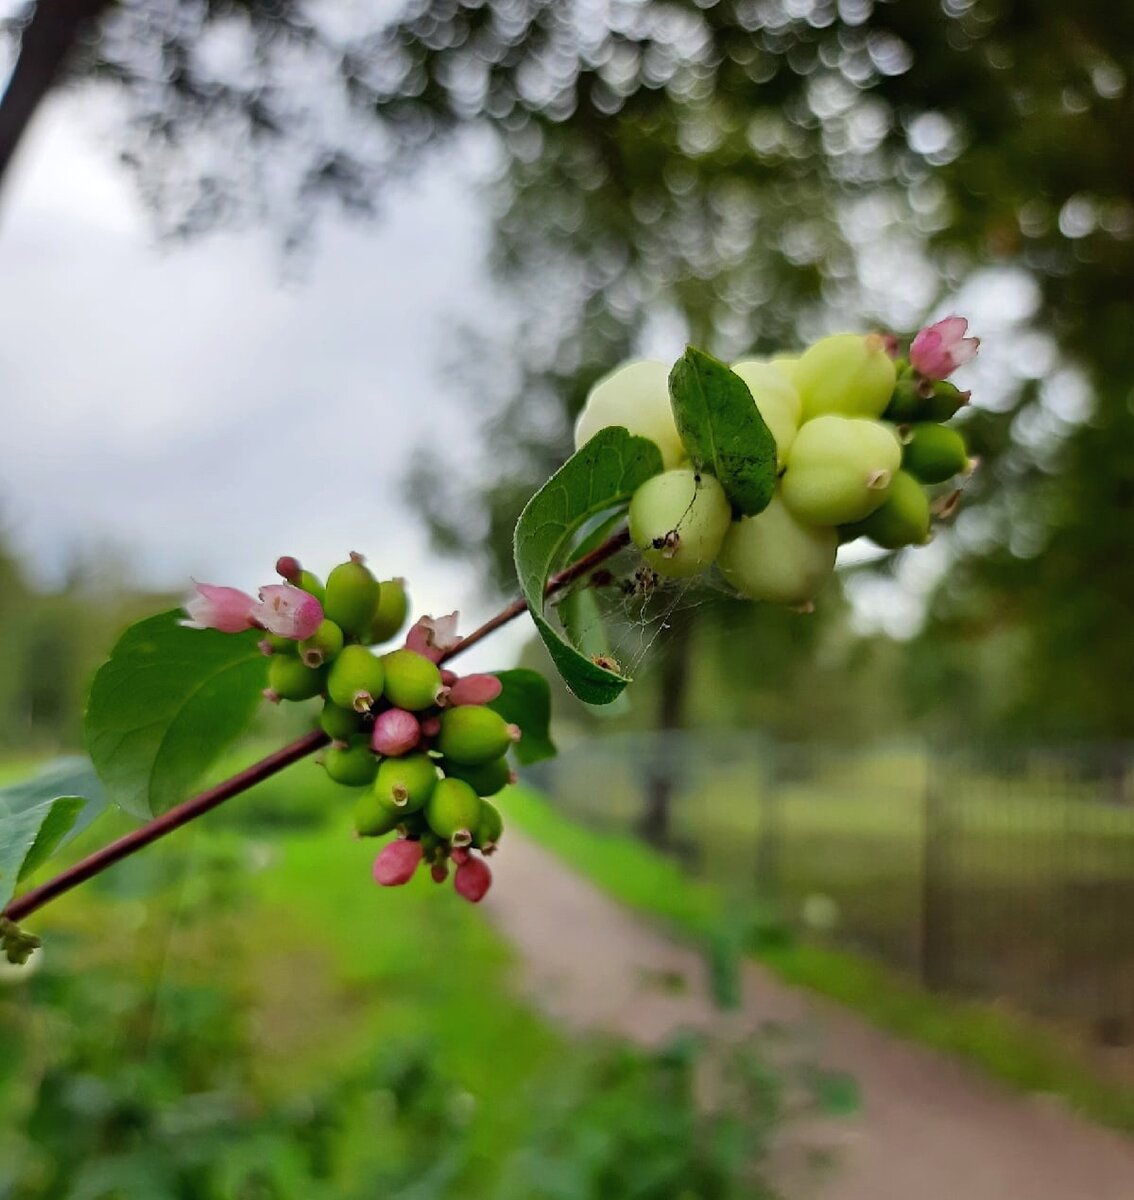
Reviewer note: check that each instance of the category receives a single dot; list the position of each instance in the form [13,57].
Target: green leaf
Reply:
[36,819]
[165,704]
[723,430]
[602,476]
[526,701]
[582,621]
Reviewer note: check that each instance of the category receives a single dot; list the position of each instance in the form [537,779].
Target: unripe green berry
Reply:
[340,724]
[486,779]
[934,453]
[413,682]
[635,396]
[373,817]
[352,597]
[323,645]
[777,400]
[279,645]
[945,402]
[473,734]
[356,765]
[290,679]
[453,811]
[390,614]
[902,520]
[406,782]
[312,585]
[678,520]
[489,827]
[356,679]
[785,364]
[775,556]
[848,374]
[839,469]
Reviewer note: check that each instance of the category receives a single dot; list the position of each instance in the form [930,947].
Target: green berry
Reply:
[848,374]
[635,396]
[356,765]
[373,817]
[453,811]
[312,585]
[839,469]
[279,645]
[486,779]
[490,825]
[323,645]
[945,402]
[473,734]
[775,556]
[356,679]
[340,724]
[902,520]
[406,782]
[290,679]
[777,400]
[352,597]
[390,614]
[678,520]
[934,453]
[412,681]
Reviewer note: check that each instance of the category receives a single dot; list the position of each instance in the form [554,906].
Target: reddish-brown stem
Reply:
[197,806]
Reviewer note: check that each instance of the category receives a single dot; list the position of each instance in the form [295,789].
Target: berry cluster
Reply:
[859,435]
[419,742]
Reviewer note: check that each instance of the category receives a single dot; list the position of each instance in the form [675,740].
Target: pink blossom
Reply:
[395,732]
[475,689]
[473,878]
[227,609]
[288,611]
[433,637]
[939,349]
[397,862]
[439,871]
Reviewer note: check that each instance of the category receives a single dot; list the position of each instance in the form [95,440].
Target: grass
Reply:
[329,973]
[1020,1052]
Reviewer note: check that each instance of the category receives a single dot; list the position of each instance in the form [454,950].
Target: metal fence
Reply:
[1000,875]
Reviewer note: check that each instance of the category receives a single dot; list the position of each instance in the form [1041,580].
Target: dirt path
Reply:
[930,1129]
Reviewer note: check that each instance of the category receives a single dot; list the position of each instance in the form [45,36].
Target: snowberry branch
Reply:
[35,899]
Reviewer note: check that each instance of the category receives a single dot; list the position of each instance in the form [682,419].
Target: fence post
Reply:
[933,950]
[769,833]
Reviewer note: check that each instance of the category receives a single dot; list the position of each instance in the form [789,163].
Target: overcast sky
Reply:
[198,407]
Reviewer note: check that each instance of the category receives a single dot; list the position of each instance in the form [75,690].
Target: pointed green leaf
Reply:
[526,702]
[723,430]
[35,819]
[600,477]
[165,704]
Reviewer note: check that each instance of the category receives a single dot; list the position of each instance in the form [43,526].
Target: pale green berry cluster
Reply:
[417,743]
[859,438]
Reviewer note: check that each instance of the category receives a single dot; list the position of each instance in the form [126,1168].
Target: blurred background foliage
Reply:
[748,173]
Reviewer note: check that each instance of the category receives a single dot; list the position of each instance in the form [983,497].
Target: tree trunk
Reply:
[663,765]
[45,44]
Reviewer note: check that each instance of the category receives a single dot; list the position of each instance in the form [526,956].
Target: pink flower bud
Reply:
[396,732]
[397,862]
[448,678]
[475,689]
[460,855]
[939,349]
[473,879]
[226,609]
[287,611]
[439,871]
[288,568]
[431,727]
[433,637]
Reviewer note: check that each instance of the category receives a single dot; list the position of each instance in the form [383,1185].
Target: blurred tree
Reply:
[759,169]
